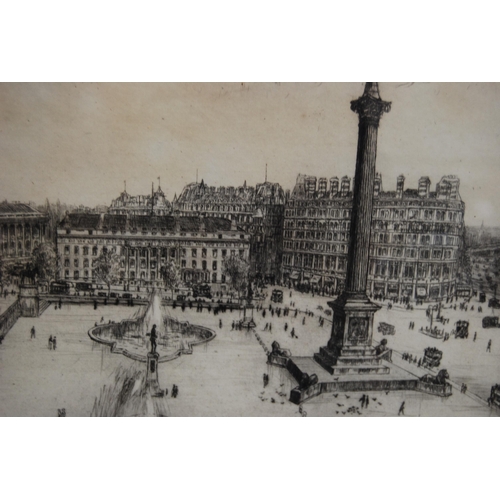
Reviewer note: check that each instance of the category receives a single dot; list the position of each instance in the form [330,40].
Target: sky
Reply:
[79,142]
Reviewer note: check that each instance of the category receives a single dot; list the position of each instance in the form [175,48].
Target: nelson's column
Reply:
[349,350]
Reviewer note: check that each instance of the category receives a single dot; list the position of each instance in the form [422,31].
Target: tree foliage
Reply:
[44,261]
[106,268]
[236,270]
[5,274]
[170,275]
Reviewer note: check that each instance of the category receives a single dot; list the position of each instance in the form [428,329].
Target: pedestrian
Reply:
[265,379]
[220,323]
[292,333]
[54,343]
[232,325]
[367,401]
[402,409]
[304,320]
[50,343]
[475,337]
[270,327]
[33,335]
[362,401]
[488,348]
[286,327]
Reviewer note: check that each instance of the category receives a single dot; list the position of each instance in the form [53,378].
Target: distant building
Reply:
[22,228]
[153,204]
[416,235]
[258,210]
[198,245]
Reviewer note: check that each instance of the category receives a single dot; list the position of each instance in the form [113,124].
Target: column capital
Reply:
[370,106]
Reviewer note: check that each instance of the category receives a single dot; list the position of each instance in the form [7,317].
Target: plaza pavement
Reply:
[225,376]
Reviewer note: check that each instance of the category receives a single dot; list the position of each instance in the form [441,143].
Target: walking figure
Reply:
[265,379]
[362,400]
[54,343]
[402,409]
[33,332]
[475,337]
[50,343]
[220,323]
[488,348]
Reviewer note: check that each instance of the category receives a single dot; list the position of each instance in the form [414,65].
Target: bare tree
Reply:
[106,268]
[171,276]
[236,269]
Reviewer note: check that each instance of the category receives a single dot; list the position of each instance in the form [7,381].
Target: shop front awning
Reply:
[307,276]
[294,275]
[315,279]
[421,292]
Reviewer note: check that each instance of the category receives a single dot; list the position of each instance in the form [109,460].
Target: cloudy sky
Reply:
[79,142]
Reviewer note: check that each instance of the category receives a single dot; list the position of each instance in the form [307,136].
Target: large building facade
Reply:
[22,228]
[257,210]
[416,237]
[198,245]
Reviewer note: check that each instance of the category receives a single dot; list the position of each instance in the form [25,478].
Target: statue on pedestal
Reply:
[153,336]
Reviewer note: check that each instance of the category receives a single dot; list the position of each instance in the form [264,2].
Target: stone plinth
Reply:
[152,368]
[349,350]
[29,301]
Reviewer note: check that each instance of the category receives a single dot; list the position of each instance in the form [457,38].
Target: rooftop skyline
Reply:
[79,142]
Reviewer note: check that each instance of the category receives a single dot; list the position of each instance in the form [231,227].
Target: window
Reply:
[193,264]
[86,273]
[193,252]
[242,253]
[183,263]
[66,273]
[172,253]
[76,249]
[214,265]
[77,275]
[223,278]
[132,262]
[76,263]
[66,250]
[153,275]
[85,250]
[183,252]
[85,262]
[94,251]
[204,265]
[66,262]
[214,253]
[143,263]
[203,253]
[224,253]
[214,277]
[132,275]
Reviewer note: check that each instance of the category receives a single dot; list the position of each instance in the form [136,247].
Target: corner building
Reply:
[416,235]
[257,210]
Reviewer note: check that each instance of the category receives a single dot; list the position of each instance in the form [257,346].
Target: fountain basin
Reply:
[126,338]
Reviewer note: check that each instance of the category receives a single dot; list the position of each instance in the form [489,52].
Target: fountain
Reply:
[131,337]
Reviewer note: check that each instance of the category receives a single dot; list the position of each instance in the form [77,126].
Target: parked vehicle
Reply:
[83,287]
[277,296]
[59,288]
[203,290]
[127,295]
[494,303]
[180,298]
[490,322]
[482,297]
[461,329]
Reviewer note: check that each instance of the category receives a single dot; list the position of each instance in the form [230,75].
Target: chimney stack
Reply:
[424,184]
